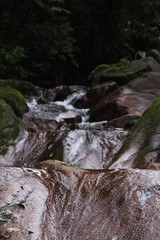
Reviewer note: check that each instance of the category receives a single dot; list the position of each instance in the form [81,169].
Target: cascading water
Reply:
[52,132]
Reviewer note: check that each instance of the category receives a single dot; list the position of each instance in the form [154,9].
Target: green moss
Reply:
[143,132]
[121,72]
[9,126]
[24,87]
[15,99]
[94,76]
[113,71]
[143,152]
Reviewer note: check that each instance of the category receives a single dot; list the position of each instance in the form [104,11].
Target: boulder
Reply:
[57,94]
[58,202]
[94,95]
[15,99]
[132,99]
[148,82]
[9,126]
[125,121]
[70,116]
[141,147]
[122,74]
[26,88]
[91,148]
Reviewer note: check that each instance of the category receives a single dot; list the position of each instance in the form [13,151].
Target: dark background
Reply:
[53,42]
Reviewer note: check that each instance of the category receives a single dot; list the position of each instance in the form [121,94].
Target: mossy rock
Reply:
[95,75]
[143,140]
[56,164]
[122,73]
[24,87]
[9,126]
[15,99]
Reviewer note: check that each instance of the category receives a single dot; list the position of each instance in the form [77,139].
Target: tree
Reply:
[41,29]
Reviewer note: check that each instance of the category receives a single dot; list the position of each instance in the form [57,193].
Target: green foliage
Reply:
[141,54]
[145,151]
[54,38]
[35,39]
[10,62]
[124,61]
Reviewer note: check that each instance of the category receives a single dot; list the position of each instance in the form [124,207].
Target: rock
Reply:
[9,126]
[123,101]
[147,83]
[58,94]
[142,145]
[91,148]
[26,88]
[94,95]
[15,99]
[71,116]
[56,164]
[78,204]
[108,108]
[124,74]
[125,121]
[33,147]
[154,166]
[121,73]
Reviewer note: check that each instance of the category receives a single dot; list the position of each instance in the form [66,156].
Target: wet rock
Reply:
[147,83]
[71,116]
[21,207]
[108,108]
[123,101]
[154,166]
[94,95]
[92,148]
[9,126]
[58,94]
[78,204]
[142,145]
[125,121]
[32,147]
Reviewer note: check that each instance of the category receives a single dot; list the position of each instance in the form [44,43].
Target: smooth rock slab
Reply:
[76,204]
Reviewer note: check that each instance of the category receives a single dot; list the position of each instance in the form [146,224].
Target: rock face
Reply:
[94,95]
[61,178]
[132,99]
[92,148]
[68,203]
[9,126]
[142,145]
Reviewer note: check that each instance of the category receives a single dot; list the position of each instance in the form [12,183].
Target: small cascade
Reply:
[67,103]
[58,130]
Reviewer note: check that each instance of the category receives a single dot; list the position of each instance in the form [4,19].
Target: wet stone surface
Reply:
[67,178]
[70,203]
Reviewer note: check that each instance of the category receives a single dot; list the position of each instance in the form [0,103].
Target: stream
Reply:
[56,183]
[59,131]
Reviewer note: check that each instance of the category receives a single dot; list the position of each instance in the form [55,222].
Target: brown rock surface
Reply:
[74,204]
[132,99]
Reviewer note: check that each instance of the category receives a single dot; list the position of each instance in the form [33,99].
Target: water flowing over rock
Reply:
[69,203]
[93,148]
[65,177]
